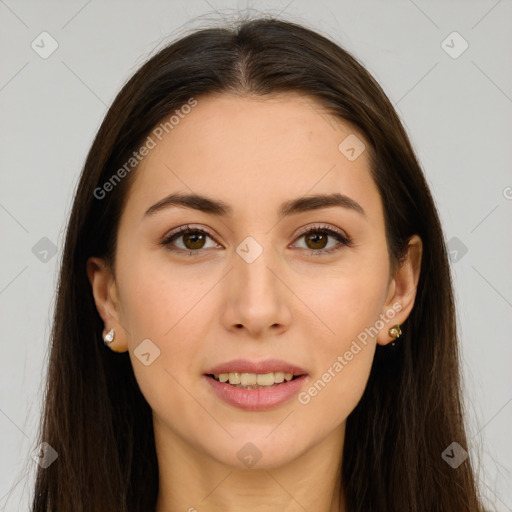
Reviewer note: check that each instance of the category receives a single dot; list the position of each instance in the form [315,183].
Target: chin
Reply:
[256,452]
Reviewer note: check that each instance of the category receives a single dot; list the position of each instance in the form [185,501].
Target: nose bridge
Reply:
[258,294]
[254,257]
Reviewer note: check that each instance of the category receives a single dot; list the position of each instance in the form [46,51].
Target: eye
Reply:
[194,240]
[316,239]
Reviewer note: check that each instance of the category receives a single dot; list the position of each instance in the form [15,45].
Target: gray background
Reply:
[456,110]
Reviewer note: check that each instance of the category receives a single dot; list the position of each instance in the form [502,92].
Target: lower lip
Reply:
[256,399]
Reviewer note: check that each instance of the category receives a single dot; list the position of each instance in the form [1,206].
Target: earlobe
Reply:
[402,290]
[105,297]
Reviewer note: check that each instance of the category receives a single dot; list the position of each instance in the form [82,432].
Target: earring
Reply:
[109,337]
[395,333]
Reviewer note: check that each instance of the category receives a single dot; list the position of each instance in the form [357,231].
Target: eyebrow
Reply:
[220,208]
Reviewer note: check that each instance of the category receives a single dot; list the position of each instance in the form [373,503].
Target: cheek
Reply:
[332,394]
[347,302]
[163,300]
[349,306]
[161,306]
[155,296]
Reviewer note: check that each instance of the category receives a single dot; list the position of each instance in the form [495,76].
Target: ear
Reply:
[402,289]
[104,291]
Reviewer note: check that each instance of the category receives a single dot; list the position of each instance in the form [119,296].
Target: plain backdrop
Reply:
[452,91]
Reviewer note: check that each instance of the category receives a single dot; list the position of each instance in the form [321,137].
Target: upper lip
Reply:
[246,366]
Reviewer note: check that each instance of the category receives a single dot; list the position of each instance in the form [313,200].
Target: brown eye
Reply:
[188,239]
[194,240]
[317,239]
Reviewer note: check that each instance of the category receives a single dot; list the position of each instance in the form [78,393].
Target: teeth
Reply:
[248,379]
[234,378]
[278,377]
[265,379]
[254,379]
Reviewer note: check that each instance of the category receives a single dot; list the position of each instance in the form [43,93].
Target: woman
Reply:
[255,308]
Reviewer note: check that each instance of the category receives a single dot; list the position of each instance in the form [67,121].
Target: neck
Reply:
[190,480]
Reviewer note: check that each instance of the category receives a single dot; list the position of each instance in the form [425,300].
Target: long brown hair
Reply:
[95,416]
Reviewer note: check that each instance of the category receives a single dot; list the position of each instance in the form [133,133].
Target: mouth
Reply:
[256,385]
[256,391]
[243,380]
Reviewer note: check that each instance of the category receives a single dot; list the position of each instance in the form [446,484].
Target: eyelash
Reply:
[341,238]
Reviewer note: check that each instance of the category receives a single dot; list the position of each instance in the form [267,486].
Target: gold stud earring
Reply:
[395,332]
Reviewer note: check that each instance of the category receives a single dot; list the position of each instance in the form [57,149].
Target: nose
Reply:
[258,299]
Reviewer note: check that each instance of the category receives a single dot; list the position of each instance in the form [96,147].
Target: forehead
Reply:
[265,148]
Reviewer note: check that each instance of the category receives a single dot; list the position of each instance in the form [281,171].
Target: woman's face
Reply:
[253,288]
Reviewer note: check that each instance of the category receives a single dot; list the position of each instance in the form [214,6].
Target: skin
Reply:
[253,154]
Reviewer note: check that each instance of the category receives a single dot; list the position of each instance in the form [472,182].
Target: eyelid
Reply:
[323,227]
[186,228]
